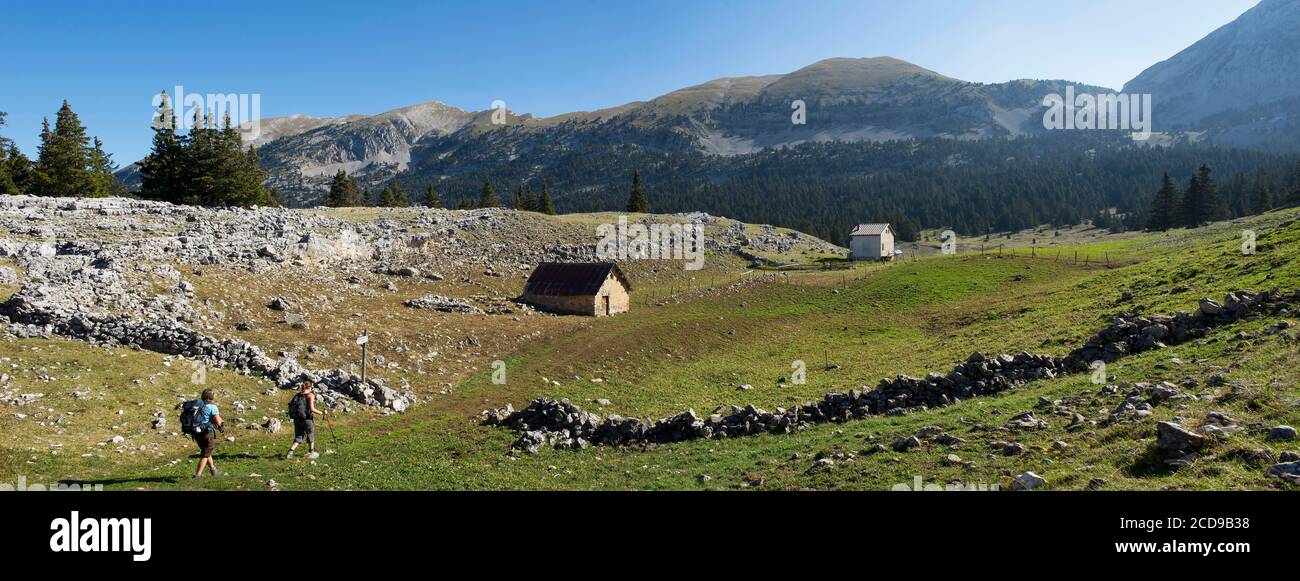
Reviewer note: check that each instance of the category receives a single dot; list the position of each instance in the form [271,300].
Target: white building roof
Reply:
[869,229]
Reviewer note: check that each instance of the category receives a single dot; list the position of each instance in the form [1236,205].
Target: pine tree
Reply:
[544,203]
[343,192]
[636,201]
[1165,211]
[464,204]
[431,197]
[65,166]
[489,198]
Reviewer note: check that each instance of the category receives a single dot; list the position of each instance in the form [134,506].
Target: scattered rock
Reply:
[1027,481]
[1172,437]
[443,304]
[1285,433]
[906,443]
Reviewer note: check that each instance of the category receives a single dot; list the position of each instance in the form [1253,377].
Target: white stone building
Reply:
[871,242]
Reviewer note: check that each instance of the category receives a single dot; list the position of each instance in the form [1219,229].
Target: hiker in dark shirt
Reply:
[301,410]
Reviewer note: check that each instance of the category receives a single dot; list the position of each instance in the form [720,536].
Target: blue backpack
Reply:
[192,417]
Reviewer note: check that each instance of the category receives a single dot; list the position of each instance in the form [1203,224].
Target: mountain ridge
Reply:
[843,99]
[1207,93]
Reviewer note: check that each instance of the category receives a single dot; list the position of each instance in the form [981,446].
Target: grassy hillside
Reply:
[732,343]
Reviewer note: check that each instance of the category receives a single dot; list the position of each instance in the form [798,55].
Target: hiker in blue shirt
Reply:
[209,418]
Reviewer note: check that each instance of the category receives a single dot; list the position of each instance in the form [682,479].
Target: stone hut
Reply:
[596,289]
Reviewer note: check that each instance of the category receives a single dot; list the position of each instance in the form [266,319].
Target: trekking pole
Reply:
[330,424]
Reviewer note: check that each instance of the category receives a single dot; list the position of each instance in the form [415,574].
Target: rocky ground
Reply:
[186,280]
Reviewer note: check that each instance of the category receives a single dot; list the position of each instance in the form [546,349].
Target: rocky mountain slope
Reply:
[844,99]
[1241,82]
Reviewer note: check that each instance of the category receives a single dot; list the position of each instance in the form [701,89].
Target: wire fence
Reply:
[723,281]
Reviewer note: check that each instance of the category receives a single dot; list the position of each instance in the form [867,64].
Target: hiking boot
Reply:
[313,456]
[289,456]
[217,472]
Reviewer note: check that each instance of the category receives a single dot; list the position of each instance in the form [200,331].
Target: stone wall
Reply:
[564,425]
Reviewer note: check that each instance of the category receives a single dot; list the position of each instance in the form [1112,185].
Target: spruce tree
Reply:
[518,201]
[1294,197]
[7,185]
[102,166]
[524,199]
[544,203]
[276,198]
[343,192]
[65,166]
[1165,213]
[10,160]
[161,172]
[489,198]
[207,167]
[431,197]
[1212,205]
[243,186]
[202,164]
[1191,206]
[5,142]
[464,204]
[636,201]
[1261,200]
[392,196]
[531,202]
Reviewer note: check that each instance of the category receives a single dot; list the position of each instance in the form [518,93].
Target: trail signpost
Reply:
[363,341]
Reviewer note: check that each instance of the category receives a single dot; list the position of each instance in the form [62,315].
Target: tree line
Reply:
[344,192]
[825,189]
[1201,202]
[206,166]
[69,162]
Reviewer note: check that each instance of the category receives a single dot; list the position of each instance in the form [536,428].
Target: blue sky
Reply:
[326,58]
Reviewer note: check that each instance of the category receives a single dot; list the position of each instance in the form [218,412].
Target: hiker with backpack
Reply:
[302,407]
[201,419]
